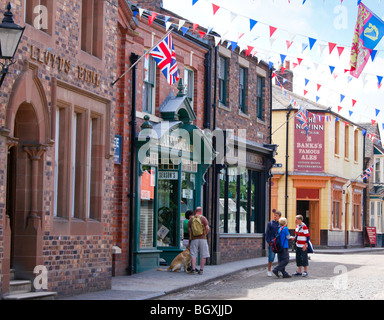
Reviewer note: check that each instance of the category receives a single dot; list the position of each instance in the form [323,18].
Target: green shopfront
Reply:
[172,158]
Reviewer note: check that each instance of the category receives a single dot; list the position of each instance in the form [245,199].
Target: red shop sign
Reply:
[371,235]
[309,147]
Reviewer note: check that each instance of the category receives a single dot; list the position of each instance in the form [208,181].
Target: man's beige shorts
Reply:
[199,245]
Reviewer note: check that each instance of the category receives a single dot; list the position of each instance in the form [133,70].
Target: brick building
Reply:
[243,110]
[57,127]
[224,90]
[137,220]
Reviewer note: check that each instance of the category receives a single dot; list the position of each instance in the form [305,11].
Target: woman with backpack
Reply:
[283,254]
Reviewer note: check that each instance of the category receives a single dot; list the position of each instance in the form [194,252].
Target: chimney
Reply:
[152,5]
[285,74]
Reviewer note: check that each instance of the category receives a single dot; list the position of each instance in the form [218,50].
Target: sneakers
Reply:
[200,272]
[298,274]
[269,274]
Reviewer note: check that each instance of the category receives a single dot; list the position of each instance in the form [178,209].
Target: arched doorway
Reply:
[27,122]
[24,189]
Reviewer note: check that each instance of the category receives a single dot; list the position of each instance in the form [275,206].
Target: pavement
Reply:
[153,284]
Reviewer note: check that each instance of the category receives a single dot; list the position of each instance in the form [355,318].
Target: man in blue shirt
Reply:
[272,230]
[284,252]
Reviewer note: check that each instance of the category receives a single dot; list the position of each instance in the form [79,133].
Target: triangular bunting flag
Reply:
[340,50]
[331,46]
[282,56]
[272,30]
[194,1]
[181,23]
[252,24]
[377,112]
[195,25]
[300,60]
[353,102]
[152,18]
[332,69]
[215,8]
[312,42]
[289,43]
[202,34]
[184,29]
[318,87]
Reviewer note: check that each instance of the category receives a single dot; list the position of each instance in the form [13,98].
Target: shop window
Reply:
[167,208]
[92,27]
[149,84]
[243,89]
[38,13]
[239,204]
[147,184]
[260,97]
[223,79]
[372,218]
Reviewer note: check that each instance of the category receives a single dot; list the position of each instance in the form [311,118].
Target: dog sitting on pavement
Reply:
[182,259]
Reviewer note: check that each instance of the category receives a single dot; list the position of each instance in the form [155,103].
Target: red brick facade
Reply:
[44,217]
[137,39]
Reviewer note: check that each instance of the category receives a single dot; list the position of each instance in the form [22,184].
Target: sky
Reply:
[323,20]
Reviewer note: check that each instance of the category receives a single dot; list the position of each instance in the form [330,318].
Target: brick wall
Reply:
[77,262]
[229,117]
[240,248]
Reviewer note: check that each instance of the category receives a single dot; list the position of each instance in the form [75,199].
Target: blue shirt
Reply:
[284,236]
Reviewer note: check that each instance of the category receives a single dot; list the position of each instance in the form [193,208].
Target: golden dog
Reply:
[182,259]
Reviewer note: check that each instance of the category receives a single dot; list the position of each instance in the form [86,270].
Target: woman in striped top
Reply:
[302,240]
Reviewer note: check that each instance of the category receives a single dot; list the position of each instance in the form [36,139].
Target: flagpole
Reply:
[137,61]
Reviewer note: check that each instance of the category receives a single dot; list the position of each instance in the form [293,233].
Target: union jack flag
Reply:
[165,57]
[367,173]
[302,117]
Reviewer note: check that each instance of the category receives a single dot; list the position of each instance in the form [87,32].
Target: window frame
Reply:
[92,27]
[243,77]
[223,80]
[260,97]
[149,84]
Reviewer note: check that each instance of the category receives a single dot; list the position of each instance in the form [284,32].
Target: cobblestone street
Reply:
[331,277]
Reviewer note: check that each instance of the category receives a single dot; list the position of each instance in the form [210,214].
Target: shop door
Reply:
[314,222]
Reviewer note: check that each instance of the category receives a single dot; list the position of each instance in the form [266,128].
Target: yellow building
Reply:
[317,173]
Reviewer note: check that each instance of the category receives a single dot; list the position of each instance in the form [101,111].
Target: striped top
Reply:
[302,233]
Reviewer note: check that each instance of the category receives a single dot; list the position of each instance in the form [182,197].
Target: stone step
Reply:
[43,295]
[19,286]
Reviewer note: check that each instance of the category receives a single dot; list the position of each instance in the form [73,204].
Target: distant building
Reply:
[318,172]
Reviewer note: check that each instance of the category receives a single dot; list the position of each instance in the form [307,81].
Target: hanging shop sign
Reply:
[309,146]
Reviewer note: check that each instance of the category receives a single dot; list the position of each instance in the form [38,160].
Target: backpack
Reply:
[197,227]
[276,243]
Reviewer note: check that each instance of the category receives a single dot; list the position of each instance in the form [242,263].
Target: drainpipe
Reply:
[215,222]
[132,196]
[286,160]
